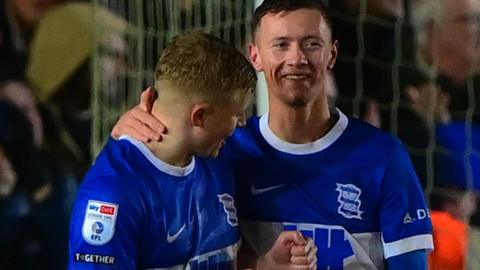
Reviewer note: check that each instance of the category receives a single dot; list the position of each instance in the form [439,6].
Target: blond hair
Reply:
[204,66]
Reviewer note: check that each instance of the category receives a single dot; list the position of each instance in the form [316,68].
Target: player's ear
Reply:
[254,56]
[199,113]
[333,55]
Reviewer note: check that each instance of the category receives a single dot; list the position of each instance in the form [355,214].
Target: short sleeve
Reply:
[404,217]
[105,226]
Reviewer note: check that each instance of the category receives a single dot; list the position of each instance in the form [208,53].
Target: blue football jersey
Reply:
[134,211]
[354,191]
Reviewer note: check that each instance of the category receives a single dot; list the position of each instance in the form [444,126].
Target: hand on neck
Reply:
[174,146]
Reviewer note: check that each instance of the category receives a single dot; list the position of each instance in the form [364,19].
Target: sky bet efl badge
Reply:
[99,224]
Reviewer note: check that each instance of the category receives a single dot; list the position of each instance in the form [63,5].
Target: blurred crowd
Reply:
[410,67]
[46,69]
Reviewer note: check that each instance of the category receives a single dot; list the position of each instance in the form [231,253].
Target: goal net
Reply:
[377,64]
[155,23]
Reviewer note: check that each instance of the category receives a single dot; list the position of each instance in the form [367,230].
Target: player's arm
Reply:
[290,251]
[139,123]
[404,216]
[415,260]
[104,228]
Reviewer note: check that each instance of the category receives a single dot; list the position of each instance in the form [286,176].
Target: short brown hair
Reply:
[203,65]
[277,6]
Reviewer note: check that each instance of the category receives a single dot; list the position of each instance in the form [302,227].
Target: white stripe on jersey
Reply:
[423,241]
[231,251]
[368,248]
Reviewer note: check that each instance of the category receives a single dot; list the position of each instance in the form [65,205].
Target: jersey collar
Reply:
[306,148]
[158,163]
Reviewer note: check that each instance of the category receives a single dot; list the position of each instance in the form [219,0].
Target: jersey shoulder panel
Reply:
[244,139]
[366,135]
[120,157]
[108,213]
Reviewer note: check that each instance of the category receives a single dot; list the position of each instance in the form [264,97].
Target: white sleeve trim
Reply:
[423,241]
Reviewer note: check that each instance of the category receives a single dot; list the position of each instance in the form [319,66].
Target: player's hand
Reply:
[139,123]
[290,251]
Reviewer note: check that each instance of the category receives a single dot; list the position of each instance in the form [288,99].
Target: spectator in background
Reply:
[49,136]
[20,95]
[35,213]
[59,69]
[13,210]
[421,106]
[422,120]
[368,57]
[8,177]
[18,19]
[448,37]
[454,198]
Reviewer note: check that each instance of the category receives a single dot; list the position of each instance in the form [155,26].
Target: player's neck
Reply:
[300,124]
[173,148]
[171,153]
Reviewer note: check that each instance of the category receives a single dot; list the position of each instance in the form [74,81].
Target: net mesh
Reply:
[155,23]
[365,68]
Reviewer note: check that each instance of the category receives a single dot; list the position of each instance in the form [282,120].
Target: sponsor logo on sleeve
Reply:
[99,223]
[420,214]
[94,258]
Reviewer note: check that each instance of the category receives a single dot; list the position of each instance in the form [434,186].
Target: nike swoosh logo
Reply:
[171,238]
[258,191]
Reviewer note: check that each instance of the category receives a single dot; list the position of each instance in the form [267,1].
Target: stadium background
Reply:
[155,22]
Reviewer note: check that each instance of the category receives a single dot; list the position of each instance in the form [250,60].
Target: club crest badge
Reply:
[229,208]
[349,199]
[99,223]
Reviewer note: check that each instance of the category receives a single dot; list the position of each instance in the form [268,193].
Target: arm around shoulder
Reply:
[404,215]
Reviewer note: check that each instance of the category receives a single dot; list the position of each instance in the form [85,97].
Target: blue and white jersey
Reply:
[354,191]
[134,211]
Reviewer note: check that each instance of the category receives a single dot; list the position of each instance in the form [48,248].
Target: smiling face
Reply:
[294,49]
